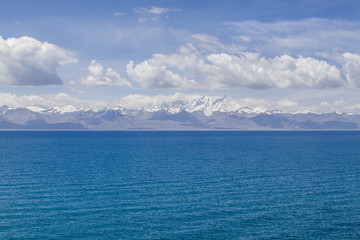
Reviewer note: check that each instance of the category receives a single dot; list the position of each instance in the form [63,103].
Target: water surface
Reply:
[179,185]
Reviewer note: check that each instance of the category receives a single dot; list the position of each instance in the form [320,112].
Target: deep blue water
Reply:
[179,185]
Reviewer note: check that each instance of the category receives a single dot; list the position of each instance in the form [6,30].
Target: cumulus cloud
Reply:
[154,74]
[223,71]
[287,105]
[26,61]
[351,68]
[279,72]
[97,77]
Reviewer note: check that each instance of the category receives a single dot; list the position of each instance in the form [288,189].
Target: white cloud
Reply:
[157,10]
[227,71]
[154,103]
[97,77]
[151,10]
[340,103]
[152,13]
[26,61]
[154,74]
[351,68]
[212,44]
[299,37]
[47,102]
[117,14]
[287,103]
[224,71]
[244,38]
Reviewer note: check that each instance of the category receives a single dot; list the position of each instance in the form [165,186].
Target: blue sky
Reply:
[290,55]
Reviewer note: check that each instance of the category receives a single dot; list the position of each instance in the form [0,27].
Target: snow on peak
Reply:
[62,110]
[208,105]
[190,103]
[35,109]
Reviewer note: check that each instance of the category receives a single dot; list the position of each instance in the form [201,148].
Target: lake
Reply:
[179,185]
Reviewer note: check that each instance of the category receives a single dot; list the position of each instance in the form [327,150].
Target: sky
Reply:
[288,55]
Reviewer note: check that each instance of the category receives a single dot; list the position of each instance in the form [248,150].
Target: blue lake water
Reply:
[179,185]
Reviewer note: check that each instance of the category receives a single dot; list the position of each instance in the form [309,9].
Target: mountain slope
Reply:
[198,113]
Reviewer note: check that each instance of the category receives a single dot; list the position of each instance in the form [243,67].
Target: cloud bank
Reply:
[34,102]
[225,71]
[26,61]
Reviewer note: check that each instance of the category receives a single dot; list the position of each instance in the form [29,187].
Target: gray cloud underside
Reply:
[26,61]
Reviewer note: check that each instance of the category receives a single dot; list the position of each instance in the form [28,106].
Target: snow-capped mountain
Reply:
[207,105]
[184,113]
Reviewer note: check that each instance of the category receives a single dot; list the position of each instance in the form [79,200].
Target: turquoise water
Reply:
[179,185]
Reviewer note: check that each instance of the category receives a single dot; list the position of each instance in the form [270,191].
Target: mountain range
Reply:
[201,113]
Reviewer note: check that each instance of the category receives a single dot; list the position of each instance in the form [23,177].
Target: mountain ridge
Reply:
[197,113]
[202,116]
